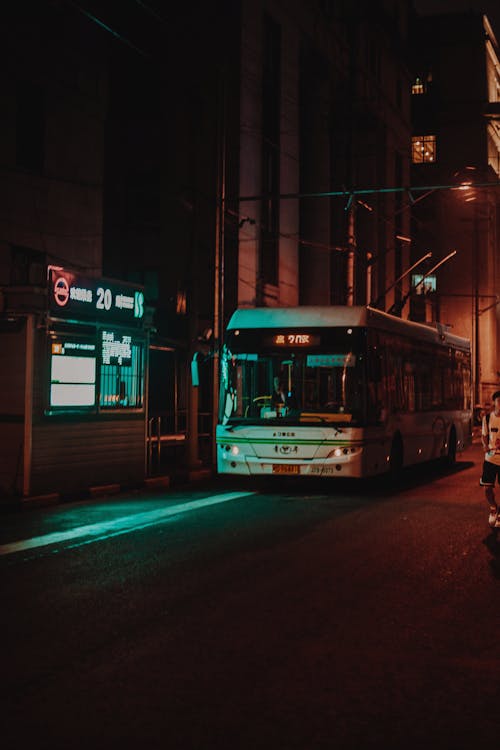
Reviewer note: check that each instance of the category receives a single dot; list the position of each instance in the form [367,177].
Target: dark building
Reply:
[73,346]
[210,155]
[231,165]
[456,154]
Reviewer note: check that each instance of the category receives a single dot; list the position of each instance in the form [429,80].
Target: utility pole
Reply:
[351,250]
[193,458]
[477,360]
[218,316]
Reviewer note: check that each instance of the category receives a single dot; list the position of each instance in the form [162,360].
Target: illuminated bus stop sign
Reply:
[76,297]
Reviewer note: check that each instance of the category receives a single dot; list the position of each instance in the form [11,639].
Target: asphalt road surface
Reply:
[276,615]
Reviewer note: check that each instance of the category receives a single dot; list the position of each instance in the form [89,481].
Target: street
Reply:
[280,615]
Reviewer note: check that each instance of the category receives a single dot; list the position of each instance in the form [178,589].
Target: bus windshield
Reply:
[294,386]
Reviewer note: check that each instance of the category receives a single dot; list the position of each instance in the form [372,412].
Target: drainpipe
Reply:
[28,404]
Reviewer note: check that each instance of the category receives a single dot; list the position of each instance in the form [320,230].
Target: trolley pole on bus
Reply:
[400,278]
[421,282]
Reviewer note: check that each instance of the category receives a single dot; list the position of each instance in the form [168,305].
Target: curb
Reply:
[196,475]
[104,489]
[39,501]
[153,483]
[95,492]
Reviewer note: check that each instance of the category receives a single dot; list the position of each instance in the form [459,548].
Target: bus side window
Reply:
[377,388]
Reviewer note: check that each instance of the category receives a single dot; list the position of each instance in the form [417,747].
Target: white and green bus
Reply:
[339,391]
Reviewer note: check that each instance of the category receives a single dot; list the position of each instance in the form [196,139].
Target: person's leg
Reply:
[487,481]
[490,497]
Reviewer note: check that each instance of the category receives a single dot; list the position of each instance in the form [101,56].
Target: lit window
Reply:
[423,284]
[418,87]
[121,371]
[423,149]
[72,373]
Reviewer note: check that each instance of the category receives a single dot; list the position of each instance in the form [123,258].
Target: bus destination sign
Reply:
[79,297]
[295,339]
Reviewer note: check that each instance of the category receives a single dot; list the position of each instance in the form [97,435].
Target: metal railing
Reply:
[167,439]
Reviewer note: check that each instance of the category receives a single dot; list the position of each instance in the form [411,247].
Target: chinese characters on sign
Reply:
[116,351]
[295,339]
[74,296]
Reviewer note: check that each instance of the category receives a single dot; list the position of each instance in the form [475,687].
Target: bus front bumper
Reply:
[344,466]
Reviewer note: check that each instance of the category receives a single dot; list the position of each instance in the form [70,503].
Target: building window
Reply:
[88,372]
[422,84]
[418,86]
[423,284]
[423,149]
[73,373]
[121,372]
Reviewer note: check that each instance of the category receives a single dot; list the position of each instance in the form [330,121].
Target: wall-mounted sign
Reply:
[331,360]
[116,349]
[72,373]
[76,297]
[90,372]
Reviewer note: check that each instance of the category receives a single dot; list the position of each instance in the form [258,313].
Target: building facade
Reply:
[456,166]
[250,144]
[73,345]
[211,156]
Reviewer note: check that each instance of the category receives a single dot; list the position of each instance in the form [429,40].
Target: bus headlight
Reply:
[344,451]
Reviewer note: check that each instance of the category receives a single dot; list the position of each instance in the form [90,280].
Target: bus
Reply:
[339,392]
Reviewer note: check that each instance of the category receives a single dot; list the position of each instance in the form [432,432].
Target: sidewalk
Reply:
[161,482]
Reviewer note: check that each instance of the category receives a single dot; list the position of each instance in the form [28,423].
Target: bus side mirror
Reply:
[195,375]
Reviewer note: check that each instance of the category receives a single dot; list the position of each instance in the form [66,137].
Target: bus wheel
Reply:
[451,456]
[396,458]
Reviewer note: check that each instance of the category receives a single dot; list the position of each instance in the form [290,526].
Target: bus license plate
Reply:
[286,469]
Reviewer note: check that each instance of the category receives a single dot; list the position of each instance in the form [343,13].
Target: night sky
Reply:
[490,7]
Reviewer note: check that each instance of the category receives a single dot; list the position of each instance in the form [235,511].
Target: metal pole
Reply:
[219,251]
[30,333]
[409,270]
[477,366]
[351,242]
[368,278]
[450,255]
[405,298]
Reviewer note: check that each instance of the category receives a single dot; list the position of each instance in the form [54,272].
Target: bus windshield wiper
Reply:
[229,426]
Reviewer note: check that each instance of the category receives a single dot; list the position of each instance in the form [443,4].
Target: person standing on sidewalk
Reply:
[490,435]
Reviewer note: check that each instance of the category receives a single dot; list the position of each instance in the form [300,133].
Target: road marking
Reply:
[117,526]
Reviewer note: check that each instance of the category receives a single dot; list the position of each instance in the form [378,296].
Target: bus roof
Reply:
[341,315]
